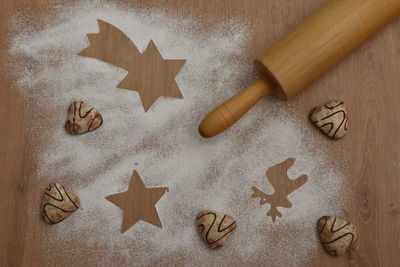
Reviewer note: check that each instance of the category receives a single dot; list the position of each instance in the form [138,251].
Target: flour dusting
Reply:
[164,146]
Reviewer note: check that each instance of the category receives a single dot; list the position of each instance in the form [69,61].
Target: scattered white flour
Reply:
[164,146]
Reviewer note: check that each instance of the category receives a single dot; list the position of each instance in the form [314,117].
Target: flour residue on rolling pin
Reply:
[163,144]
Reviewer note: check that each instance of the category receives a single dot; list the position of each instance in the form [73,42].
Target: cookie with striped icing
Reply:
[82,118]
[215,227]
[337,235]
[331,119]
[57,203]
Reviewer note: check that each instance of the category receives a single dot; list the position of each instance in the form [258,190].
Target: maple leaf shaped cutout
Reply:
[149,73]
[283,186]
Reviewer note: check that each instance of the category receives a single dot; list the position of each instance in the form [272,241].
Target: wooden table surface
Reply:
[368,81]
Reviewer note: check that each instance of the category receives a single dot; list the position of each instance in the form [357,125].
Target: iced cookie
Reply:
[82,118]
[337,235]
[215,227]
[331,119]
[57,203]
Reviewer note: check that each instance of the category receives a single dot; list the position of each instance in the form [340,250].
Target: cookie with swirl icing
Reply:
[331,119]
[215,227]
[82,118]
[58,203]
[337,235]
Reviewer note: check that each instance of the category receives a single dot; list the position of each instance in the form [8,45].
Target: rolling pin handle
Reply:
[225,115]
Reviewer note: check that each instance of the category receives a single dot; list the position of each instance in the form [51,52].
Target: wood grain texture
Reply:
[368,81]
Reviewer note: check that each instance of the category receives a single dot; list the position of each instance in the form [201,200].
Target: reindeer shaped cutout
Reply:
[283,186]
[148,73]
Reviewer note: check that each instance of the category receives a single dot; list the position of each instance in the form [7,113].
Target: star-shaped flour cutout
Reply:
[153,77]
[138,203]
[149,73]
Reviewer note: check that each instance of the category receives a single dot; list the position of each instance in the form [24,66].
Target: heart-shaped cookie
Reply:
[215,227]
[57,203]
[331,119]
[82,118]
[337,235]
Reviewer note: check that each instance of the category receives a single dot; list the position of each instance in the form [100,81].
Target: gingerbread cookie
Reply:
[215,227]
[331,119]
[337,235]
[57,203]
[82,118]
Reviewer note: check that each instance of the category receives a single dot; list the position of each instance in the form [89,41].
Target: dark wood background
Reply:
[368,81]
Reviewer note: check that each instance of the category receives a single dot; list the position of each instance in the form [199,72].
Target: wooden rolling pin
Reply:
[305,54]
